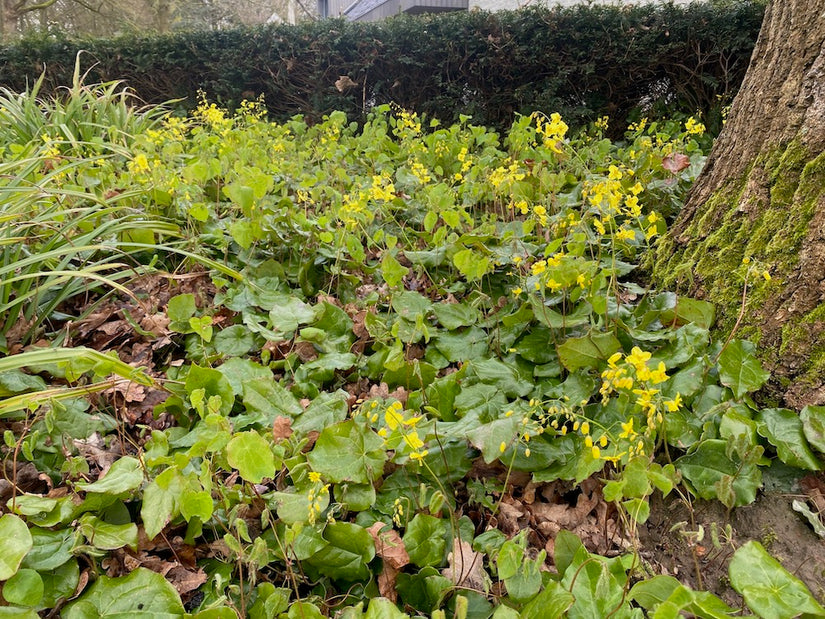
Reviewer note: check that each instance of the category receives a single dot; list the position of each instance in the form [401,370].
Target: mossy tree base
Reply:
[762,198]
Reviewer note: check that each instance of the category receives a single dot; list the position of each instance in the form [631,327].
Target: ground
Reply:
[669,539]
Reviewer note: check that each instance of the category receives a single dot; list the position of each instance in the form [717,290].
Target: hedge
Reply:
[585,61]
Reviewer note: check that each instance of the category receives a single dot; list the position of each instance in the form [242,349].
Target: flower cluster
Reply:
[634,374]
[317,497]
[552,130]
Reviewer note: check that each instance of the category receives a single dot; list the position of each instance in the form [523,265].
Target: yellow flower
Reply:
[674,404]
[503,447]
[413,440]
[638,358]
[625,234]
[585,428]
[627,429]
[517,291]
[140,163]
[614,173]
[314,477]
[553,285]
[596,452]
[692,126]
[419,455]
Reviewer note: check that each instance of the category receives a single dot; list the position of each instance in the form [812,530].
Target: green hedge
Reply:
[584,62]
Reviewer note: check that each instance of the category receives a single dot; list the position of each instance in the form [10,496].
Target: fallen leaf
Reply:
[465,567]
[281,428]
[676,162]
[185,580]
[345,83]
[389,546]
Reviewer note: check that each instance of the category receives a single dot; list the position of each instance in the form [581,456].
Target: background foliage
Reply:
[583,62]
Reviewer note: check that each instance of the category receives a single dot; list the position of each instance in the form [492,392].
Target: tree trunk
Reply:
[761,198]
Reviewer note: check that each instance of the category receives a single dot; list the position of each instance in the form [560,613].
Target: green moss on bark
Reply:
[765,215]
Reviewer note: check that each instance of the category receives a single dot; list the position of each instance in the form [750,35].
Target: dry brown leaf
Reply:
[676,162]
[386,583]
[465,567]
[345,83]
[281,428]
[389,546]
[185,580]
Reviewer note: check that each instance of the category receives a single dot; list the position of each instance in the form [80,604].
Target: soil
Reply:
[670,540]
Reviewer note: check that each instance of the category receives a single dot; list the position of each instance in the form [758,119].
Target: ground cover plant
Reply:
[390,369]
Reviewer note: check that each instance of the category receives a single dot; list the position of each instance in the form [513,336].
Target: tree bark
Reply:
[761,197]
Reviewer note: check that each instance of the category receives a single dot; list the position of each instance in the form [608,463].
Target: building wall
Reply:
[499,5]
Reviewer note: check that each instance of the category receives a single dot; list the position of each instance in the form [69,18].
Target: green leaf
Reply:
[252,456]
[347,451]
[556,320]
[813,425]
[687,310]
[179,310]
[595,588]
[768,588]
[290,312]
[471,264]
[740,370]
[709,465]
[551,603]
[125,475]
[588,351]
[490,437]
[639,509]
[411,305]
[567,544]
[651,593]
[392,271]
[303,610]
[293,507]
[213,383]
[502,376]
[346,556]
[107,536]
[784,430]
[464,345]
[234,341]
[264,400]
[161,501]
[382,608]
[16,541]
[424,540]
[455,315]
[60,583]
[196,503]
[50,549]
[25,588]
[143,594]
[325,410]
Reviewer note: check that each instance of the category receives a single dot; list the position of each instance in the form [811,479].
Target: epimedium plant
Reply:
[439,300]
